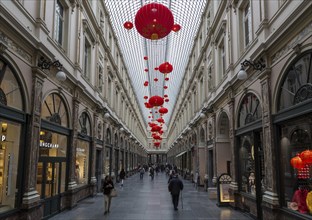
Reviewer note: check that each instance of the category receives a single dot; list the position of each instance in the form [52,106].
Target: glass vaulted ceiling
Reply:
[175,49]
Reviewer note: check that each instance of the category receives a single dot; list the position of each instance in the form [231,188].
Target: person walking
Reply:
[122,176]
[107,188]
[174,187]
[142,171]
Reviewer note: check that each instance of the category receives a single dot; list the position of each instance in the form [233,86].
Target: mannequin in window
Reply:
[77,173]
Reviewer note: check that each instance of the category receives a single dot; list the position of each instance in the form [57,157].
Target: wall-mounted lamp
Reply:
[45,65]
[242,74]
[4,127]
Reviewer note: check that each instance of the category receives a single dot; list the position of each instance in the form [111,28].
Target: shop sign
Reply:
[3,137]
[80,149]
[48,145]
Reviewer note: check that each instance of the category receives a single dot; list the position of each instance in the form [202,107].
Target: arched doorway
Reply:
[250,158]
[53,152]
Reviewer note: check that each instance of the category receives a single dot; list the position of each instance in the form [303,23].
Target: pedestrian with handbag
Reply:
[108,187]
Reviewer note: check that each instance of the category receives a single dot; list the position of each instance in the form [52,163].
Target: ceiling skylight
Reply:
[175,48]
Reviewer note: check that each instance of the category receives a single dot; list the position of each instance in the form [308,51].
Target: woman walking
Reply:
[107,188]
[122,176]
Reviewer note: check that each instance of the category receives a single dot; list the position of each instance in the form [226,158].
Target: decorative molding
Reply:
[5,43]
[293,43]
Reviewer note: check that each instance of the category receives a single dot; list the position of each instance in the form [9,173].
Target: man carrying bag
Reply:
[174,187]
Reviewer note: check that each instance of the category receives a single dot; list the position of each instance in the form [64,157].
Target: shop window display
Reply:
[9,158]
[82,162]
[296,162]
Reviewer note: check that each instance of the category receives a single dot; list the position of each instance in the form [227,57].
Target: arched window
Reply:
[108,136]
[10,90]
[202,136]
[297,83]
[84,124]
[224,125]
[250,110]
[54,110]
[116,140]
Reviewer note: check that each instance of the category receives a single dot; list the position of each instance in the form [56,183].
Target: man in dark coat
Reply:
[175,186]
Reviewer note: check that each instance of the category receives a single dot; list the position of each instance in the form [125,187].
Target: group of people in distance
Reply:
[175,185]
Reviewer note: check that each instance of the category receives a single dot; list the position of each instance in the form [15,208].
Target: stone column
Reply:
[73,143]
[93,152]
[31,197]
[234,185]
[214,179]
[270,197]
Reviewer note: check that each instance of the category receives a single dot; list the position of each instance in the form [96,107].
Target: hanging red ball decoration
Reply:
[156,79]
[156,128]
[176,27]
[166,100]
[145,97]
[167,78]
[145,58]
[165,87]
[156,68]
[296,162]
[146,70]
[163,110]
[147,105]
[161,120]
[165,96]
[165,68]
[156,101]
[154,21]
[128,25]
[157,144]
[306,156]
[146,83]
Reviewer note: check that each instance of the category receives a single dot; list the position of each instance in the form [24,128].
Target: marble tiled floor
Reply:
[150,200]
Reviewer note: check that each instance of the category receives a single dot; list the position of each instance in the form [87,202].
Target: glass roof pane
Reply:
[175,48]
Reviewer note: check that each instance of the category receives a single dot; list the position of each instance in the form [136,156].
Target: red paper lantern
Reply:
[128,25]
[146,70]
[154,21]
[146,83]
[160,120]
[296,162]
[166,100]
[176,27]
[156,68]
[147,105]
[145,97]
[165,68]
[156,101]
[156,128]
[156,137]
[163,110]
[157,144]
[156,79]
[165,87]
[167,78]
[306,156]
[145,58]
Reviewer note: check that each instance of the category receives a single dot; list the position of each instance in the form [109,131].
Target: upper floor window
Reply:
[87,59]
[59,22]
[247,24]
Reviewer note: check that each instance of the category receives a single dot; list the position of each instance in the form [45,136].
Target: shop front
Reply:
[12,134]
[250,158]
[53,154]
[293,123]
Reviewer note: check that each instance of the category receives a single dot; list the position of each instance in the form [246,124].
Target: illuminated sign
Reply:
[80,149]
[3,137]
[48,145]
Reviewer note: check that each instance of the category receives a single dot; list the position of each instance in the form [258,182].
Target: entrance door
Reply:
[98,170]
[51,183]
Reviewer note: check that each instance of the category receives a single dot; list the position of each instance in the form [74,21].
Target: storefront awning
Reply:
[180,154]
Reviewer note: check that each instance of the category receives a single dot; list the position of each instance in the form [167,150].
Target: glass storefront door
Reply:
[51,182]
